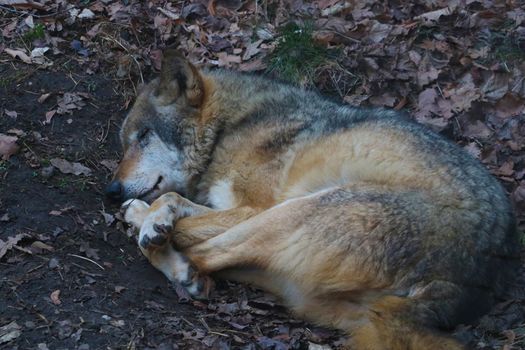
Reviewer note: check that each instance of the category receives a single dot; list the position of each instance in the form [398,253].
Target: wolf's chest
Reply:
[221,195]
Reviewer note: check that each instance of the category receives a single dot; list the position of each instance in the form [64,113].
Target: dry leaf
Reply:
[55,297]
[378,31]
[477,130]
[86,14]
[11,241]
[38,247]
[429,18]
[251,50]
[108,218]
[226,60]
[43,97]
[119,289]
[49,116]
[67,167]
[20,54]
[8,146]
[110,164]
[9,332]
[11,114]
[69,102]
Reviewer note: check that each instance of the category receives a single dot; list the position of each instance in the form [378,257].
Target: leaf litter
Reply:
[454,66]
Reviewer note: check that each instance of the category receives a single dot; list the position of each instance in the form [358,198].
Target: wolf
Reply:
[359,219]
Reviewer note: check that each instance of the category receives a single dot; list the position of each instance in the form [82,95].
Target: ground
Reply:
[70,276]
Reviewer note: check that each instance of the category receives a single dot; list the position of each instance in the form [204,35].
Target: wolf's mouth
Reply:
[153,189]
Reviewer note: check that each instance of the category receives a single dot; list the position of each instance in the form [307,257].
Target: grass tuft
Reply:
[297,56]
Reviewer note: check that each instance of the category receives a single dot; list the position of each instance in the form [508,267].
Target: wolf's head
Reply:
[165,140]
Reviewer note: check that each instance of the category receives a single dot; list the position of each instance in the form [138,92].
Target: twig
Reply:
[87,259]
[29,13]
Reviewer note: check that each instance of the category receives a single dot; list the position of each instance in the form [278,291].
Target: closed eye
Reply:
[143,134]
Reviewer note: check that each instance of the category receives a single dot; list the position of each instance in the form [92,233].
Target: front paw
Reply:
[135,212]
[157,227]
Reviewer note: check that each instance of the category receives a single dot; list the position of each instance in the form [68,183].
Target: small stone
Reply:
[47,171]
[53,263]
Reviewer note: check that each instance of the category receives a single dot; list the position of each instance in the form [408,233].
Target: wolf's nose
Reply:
[114,190]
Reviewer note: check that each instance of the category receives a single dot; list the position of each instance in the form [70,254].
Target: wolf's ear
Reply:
[179,79]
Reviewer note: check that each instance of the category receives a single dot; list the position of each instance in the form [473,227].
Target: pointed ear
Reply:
[180,81]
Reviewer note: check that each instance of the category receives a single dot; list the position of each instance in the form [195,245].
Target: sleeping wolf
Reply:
[357,218]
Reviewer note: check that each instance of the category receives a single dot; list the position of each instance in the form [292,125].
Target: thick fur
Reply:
[358,218]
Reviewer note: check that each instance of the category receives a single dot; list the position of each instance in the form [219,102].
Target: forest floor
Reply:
[70,276]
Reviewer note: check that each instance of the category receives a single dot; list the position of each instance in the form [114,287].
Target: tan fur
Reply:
[358,219]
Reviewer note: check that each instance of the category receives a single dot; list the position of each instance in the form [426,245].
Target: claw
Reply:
[164,229]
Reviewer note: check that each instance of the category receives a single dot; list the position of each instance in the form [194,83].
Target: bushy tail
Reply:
[391,326]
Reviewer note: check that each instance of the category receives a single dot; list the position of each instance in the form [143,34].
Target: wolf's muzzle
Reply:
[114,190]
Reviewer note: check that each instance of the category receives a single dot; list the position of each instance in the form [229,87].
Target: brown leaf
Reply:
[9,332]
[67,167]
[477,130]
[384,100]
[38,247]
[55,297]
[251,50]
[506,169]
[378,31]
[463,95]
[69,102]
[430,18]
[11,114]
[119,289]
[11,241]
[18,53]
[111,164]
[108,218]
[43,97]
[8,146]
[49,116]
[8,30]
[226,60]
[426,73]
[426,103]
[509,106]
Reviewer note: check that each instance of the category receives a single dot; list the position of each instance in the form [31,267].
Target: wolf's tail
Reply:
[391,326]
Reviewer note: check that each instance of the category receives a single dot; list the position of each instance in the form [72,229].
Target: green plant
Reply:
[297,56]
[81,185]
[4,165]
[63,183]
[504,47]
[91,86]
[38,32]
